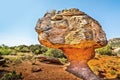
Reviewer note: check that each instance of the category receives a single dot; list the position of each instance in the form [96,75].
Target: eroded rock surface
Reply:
[69,27]
[77,34]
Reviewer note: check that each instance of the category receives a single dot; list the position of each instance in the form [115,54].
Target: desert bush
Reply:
[38,49]
[14,60]
[34,47]
[12,76]
[5,51]
[22,48]
[17,48]
[112,72]
[105,50]
[13,52]
[115,44]
[43,49]
[54,53]
[57,53]
[63,60]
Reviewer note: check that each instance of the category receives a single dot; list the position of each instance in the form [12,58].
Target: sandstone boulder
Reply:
[77,34]
[69,27]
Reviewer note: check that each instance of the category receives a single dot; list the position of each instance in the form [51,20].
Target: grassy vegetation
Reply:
[17,54]
[115,44]
[54,53]
[35,49]
[107,50]
[107,67]
[21,50]
[5,50]
[12,76]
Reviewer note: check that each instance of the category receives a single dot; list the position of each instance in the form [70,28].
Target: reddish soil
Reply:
[48,71]
[105,66]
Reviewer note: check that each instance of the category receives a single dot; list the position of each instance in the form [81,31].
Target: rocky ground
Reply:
[107,67]
[41,71]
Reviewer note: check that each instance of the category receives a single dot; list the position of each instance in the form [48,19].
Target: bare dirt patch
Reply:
[46,72]
[107,67]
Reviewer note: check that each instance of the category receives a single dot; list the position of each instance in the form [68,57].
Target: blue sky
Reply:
[18,17]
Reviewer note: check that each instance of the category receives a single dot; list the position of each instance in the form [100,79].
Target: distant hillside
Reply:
[115,42]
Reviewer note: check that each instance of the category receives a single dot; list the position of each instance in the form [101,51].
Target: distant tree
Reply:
[5,50]
[105,50]
[54,53]
[38,49]
[57,53]
[34,47]
[22,48]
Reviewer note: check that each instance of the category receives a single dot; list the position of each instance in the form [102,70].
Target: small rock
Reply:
[36,69]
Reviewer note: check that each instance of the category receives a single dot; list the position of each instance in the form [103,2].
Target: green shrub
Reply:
[13,52]
[115,44]
[22,48]
[104,50]
[12,76]
[17,48]
[37,52]
[54,53]
[4,51]
[43,49]
[57,53]
[112,72]
[63,60]
[34,47]
[38,49]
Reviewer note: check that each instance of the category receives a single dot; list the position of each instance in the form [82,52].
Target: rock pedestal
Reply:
[77,34]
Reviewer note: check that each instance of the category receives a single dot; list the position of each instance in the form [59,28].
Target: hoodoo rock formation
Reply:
[77,34]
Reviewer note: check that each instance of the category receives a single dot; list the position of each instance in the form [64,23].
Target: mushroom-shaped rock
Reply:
[77,34]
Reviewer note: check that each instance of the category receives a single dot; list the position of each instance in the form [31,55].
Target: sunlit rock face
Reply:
[69,27]
[76,34]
